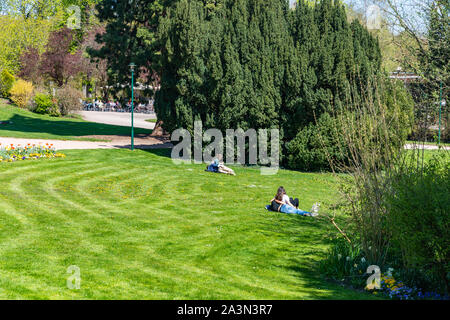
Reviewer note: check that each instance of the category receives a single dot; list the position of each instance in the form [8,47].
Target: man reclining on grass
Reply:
[282,203]
[218,166]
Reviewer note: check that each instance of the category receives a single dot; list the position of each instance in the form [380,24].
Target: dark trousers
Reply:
[295,202]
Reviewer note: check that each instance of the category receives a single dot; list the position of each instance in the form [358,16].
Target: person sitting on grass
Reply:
[290,201]
[280,204]
[213,166]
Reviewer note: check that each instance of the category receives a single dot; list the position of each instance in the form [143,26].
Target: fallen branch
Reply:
[331,219]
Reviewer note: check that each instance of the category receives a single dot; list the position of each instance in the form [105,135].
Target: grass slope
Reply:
[140,227]
[26,124]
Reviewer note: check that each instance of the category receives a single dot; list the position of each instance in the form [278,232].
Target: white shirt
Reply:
[286,198]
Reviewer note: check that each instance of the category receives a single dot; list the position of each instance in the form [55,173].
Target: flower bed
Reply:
[390,287]
[11,153]
[398,290]
[346,264]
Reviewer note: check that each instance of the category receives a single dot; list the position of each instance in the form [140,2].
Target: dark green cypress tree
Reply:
[339,57]
[181,99]
[238,59]
[257,64]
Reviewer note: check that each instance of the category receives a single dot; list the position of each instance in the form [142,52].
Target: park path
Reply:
[116,142]
[426,147]
[119,142]
[111,142]
[119,118]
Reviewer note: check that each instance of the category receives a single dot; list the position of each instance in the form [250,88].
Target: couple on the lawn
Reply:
[283,203]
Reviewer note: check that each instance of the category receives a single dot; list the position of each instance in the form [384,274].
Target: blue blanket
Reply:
[212,168]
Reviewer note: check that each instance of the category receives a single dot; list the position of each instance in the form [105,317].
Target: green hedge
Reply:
[44,104]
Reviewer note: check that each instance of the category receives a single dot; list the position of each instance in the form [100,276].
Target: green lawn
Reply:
[140,227]
[419,155]
[26,124]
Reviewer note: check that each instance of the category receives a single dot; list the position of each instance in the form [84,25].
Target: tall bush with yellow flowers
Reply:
[21,93]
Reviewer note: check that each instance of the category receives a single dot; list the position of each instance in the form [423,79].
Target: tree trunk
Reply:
[158,131]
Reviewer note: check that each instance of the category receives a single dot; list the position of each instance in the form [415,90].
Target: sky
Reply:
[411,10]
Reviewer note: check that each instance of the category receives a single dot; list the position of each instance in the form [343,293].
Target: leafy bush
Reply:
[345,262]
[68,100]
[6,83]
[21,93]
[45,104]
[315,145]
[378,123]
[419,219]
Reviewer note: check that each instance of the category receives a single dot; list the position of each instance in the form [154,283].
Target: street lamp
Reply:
[442,103]
[132,66]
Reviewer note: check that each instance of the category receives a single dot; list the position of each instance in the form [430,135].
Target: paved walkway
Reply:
[119,118]
[141,141]
[116,142]
[426,147]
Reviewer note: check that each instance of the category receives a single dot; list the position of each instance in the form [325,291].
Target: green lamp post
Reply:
[442,103]
[132,66]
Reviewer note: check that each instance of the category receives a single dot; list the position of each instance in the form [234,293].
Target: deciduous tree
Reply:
[59,62]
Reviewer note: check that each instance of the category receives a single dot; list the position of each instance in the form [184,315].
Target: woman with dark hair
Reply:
[280,204]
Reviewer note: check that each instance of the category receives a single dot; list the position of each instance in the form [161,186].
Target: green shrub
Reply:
[378,124]
[315,145]
[419,219]
[346,263]
[6,83]
[45,104]
[69,100]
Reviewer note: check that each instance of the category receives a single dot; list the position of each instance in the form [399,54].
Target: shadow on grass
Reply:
[148,147]
[161,151]
[309,238]
[64,127]
[313,280]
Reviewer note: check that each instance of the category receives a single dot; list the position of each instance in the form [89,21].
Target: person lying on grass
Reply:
[217,165]
[223,168]
[282,203]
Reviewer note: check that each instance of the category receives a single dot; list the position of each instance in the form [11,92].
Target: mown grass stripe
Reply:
[159,231]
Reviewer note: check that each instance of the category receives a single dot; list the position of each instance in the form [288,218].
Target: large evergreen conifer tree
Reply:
[252,64]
